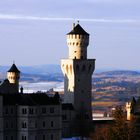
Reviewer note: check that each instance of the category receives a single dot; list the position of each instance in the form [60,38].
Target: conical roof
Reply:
[13,69]
[78,30]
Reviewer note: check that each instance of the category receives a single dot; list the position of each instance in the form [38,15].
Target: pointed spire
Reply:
[14,68]
[78,30]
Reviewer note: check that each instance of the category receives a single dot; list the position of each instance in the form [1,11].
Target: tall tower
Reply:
[128,110]
[13,75]
[77,70]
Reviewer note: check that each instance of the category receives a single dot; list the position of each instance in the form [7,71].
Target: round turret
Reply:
[77,41]
[13,74]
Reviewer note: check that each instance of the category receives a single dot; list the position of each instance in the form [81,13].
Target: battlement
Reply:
[128,104]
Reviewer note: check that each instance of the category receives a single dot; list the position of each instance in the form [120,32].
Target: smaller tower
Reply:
[13,75]
[128,110]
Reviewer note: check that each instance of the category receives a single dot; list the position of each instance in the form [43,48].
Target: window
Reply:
[12,111]
[24,111]
[44,124]
[23,137]
[24,125]
[51,136]
[43,110]
[52,124]
[31,111]
[6,111]
[12,125]
[64,117]
[36,125]
[43,137]
[52,110]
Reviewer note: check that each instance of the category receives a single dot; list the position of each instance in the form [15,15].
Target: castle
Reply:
[37,116]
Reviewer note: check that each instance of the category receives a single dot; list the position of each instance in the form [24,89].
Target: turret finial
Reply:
[78,21]
[73,26]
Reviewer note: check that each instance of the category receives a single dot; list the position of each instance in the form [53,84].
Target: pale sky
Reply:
[32,32]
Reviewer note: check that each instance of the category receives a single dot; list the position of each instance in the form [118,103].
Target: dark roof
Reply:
[67,106]
[29,99]
[78,30]
[13,69]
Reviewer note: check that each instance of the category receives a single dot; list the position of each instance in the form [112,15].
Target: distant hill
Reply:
[120,72]
[54,73]
[39,69]
[36,73]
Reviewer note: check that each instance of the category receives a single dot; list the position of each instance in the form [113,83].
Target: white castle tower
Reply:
[128,110]
[13,75]
[77,70]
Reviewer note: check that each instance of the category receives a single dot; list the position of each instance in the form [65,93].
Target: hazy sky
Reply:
[32,32]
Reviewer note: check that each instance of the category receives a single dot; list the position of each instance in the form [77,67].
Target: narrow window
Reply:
[64,117]
[6,111]
[43,110]
[52,124]
[31,111]
[24,111]
[52,110]
[43,137]
[12,125]
[24,125]
[51,136]
[12,111]
[44,124]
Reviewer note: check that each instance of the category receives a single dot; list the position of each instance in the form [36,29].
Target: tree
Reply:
[120,129]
